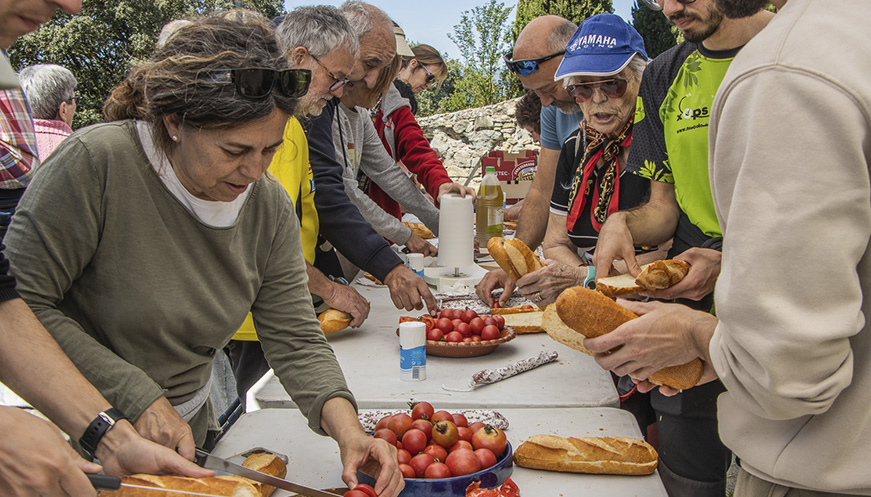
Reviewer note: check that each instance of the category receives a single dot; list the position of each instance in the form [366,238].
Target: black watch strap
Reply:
[98,427]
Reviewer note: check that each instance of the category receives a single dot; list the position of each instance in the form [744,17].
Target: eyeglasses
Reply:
[654,4]
[258,83]
[525,67]
[430,77]
[338,83]
[612,88]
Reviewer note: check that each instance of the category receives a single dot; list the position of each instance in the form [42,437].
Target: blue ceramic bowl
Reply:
[456,486]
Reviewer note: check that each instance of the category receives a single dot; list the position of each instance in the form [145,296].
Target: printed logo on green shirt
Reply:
[639,110]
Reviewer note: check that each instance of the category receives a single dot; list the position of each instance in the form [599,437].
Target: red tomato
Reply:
[467,339]
[355,493]
[454,336]
[490,332]
[387,435]
[527,306]
[407,471]
[487,458]
[423,425]
[460,420]
[463,329]
[437,470]
[382,423]
[500,321]
[476,338]
[419,464]
[477,425]
[469,315]
[496,304]
[445,433]
[399,424]
[465,433]
[463,462]
[489,320]
[445,325]
[366,489]
[477,325]
[491,438]
[446,313]
[437,451]
[456,322]
[403,456]
[461,444]
[442,416]
[414,441]
[435,335]
[422,410]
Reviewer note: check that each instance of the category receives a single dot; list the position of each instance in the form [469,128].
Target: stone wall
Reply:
[463,137]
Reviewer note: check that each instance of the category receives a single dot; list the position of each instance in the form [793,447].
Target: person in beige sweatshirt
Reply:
[789,170]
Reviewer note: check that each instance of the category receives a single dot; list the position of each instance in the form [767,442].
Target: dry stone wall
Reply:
[463,137]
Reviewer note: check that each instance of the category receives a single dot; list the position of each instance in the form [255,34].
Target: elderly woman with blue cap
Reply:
[602,70]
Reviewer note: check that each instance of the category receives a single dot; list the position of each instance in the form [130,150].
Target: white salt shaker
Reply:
[415,263]
[412,351]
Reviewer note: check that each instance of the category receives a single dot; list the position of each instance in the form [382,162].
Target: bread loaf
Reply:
[524,322]
[513,256]
[558,330]
[502,311]
[226,486]
[657,275]
[605,455]
[420,230]
[592,314]
[333,320]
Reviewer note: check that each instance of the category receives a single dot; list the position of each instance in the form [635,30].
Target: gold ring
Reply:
[537,297]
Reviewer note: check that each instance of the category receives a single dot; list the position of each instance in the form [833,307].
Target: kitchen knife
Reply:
[209,461]
[107,482]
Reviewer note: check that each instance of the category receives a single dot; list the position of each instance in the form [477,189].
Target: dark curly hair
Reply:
[528,112]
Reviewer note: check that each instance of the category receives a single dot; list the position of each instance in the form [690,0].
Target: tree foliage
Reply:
[658,33]
[482,36]
[573,10]
[101,44]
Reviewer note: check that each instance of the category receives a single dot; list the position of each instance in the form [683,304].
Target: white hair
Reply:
[46,87]
[320,29]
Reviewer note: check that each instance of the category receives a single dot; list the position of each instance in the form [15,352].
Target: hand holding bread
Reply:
[592,315]
[597,455]
[513,256]
[333,320]
[657,275]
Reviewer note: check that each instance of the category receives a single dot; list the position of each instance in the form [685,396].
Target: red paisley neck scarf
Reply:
[604,196]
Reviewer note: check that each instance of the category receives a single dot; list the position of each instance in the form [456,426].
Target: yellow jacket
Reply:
[290,166]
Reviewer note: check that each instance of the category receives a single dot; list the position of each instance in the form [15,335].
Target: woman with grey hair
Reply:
[602,70]
[50,89]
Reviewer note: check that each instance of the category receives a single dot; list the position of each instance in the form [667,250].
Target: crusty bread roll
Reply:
[502,311]
[513,256]
[657,275]
[524,322]
[228,486]
[592,314]
[420,230]
[333,320]
[558,330]
[598,455]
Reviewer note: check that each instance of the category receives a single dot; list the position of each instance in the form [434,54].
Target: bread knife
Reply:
[107,482]
[209,461]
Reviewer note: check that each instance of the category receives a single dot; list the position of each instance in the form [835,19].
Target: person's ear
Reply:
[297,56]
[62,112]
[173,128]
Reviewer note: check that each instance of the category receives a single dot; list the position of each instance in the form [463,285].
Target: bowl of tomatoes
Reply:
[463,333]
[440,454]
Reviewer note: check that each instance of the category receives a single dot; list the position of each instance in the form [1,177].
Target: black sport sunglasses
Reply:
[525,67]
[654,4]
[258,82]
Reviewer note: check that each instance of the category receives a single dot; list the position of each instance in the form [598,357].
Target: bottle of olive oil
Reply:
[488,209]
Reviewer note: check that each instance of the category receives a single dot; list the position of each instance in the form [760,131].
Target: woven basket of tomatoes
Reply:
[440,454]
[463,333]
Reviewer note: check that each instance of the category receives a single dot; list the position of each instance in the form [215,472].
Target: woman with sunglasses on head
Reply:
[143,243]
[602,70]
[400,133]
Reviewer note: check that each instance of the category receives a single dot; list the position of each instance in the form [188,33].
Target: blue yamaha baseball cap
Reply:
[602,46]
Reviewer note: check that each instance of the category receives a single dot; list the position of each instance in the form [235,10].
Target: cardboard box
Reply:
[511,166]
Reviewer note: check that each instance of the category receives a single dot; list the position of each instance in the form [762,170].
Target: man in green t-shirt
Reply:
[670,147]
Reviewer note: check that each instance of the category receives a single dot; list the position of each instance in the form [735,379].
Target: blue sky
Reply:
[429,22]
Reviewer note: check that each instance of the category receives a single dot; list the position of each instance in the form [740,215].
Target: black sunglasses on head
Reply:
[525,67]
[654,4]
[258,82]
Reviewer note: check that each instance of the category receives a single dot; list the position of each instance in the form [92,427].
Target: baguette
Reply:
[333,320]
[513,256]
[225,486]
[592,314]
[657,275]
[597,455]
[525,322]
[558,330]
[503,311]
[420,230]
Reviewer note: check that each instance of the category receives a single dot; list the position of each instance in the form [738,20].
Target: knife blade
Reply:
[209,461]
[107,482]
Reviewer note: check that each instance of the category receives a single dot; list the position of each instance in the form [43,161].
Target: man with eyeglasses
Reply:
[50,89]
[534,60]
[670,147]
[341,223]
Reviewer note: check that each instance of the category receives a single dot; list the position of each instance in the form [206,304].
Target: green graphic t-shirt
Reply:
[670,140]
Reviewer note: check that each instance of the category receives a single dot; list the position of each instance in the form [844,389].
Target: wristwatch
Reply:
[590,279]
[98,428]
